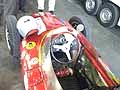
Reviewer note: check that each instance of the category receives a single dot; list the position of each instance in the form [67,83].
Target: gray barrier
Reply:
[1,11]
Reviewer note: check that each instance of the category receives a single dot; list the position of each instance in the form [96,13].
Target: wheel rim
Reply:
[7,37]
[105,15]
[80,27]
[90,5]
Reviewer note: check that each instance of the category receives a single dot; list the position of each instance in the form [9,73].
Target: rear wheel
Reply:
[12,37]
[92,6]
[108,15]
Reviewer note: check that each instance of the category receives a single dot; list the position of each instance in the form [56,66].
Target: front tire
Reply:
[108,15]
[81,21]
[92,6]
[12,37]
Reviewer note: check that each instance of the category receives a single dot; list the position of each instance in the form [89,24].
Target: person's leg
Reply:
[40,5]
[51,5]
[10,7]
[22,4]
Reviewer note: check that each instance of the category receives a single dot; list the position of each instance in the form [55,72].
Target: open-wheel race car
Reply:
[57,54]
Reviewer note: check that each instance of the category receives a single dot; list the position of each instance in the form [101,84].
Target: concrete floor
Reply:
[106,41]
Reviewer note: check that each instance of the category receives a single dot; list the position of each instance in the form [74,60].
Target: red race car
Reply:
[57,54]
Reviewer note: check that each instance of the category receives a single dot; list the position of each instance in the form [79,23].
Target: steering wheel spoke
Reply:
[68,55]
[65,48]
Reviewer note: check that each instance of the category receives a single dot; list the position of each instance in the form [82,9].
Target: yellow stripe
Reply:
[40,47]
[103,80]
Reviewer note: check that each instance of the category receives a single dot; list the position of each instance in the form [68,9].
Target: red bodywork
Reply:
[35,78]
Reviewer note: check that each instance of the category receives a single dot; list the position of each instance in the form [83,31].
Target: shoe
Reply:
[40,11]
[52,12]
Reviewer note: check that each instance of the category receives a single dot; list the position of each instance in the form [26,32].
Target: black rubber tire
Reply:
[95,9]
[13,37]
[115,15]
[74,21]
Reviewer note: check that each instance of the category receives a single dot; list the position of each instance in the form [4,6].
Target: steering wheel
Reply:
[65,48]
